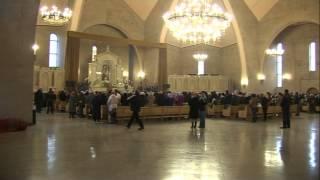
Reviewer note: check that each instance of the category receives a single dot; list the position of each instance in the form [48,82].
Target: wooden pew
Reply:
[215,110]
[231,111]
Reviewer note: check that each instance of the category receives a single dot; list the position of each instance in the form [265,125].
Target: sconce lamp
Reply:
[244,82]
[287,76]
[141,75]
[125,74]
[261,77]
[35,48]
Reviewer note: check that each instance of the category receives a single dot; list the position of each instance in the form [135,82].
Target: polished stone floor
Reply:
[58,148]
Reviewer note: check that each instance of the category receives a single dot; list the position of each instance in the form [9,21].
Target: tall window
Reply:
[94,53]
[54,51]
[312,56]
[279,66]
[200,67]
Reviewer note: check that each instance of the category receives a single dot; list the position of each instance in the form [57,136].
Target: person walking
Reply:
[72,104]
[203,100]
[285,107]
[253,104]
[135,106]
[194,109]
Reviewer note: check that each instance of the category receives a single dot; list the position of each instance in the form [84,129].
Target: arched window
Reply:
[279,65]
[94,53]
[312,56]
[200,67]
[54,51]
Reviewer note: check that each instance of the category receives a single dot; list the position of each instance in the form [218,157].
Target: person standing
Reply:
[51,97]
[285,106]
[38,100]
[202,109]
[135,106]
[112,104]
[96,103]
[72,104]
[297,101]
[265,101]
[253,104]
[194,109]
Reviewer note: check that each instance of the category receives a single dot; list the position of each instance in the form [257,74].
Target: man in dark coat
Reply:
[265,101]
[50,101]
[38,100]
[135,106]
[202,109]
[285,106]
[96,103]
[194,109]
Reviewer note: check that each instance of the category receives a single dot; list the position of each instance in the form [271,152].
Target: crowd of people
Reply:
[198,102]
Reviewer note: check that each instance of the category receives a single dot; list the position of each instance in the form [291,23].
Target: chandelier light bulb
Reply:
[261,77]
[275,52]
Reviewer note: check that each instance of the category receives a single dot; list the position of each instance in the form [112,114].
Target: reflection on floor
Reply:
[58,148]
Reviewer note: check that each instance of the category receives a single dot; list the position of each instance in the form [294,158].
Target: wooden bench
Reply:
[231,111]
[155,112]
[272,111]
[215,111]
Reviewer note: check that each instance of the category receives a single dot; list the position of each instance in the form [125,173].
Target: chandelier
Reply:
[55,16]
[275,52]
[197,21]
[200,56]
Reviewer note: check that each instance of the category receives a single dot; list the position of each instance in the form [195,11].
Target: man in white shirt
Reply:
[112,103]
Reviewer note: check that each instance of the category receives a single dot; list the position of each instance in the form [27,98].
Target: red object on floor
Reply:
[12,125]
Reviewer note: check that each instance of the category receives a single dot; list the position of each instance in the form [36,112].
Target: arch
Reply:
[242,53]
[312,90]
[125,35]
[276,34]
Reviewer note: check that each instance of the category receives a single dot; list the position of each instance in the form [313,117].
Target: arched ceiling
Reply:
[258,7]
[142,7]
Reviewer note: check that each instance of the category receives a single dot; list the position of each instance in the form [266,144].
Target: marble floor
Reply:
[58,148]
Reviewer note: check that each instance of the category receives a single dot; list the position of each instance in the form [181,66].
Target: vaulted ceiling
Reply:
[258,7]
[142,7]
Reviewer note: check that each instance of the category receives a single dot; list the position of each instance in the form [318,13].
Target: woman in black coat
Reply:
[194,109]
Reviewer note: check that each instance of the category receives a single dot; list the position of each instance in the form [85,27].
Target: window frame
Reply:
[53,51]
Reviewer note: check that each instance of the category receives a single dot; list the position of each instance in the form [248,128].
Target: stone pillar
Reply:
[18,20]
[163,76]
[131,62]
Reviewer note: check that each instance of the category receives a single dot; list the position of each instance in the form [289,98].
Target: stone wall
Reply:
[16,70]
[296,40]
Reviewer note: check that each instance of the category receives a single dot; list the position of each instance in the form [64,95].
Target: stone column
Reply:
[18,20]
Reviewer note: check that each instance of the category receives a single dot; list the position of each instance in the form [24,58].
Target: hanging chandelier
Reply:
[197,21]
[200,56]
[55,16]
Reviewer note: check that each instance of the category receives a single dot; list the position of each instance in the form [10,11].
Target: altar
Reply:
[105,72]
[180,83]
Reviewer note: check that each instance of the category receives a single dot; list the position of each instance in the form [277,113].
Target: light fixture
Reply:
[125,74]
[141,75]
[35,48]
[200,57]
[197,21]
[244,82]
[261,77]
[287,76]
[275,52]
[55,16]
